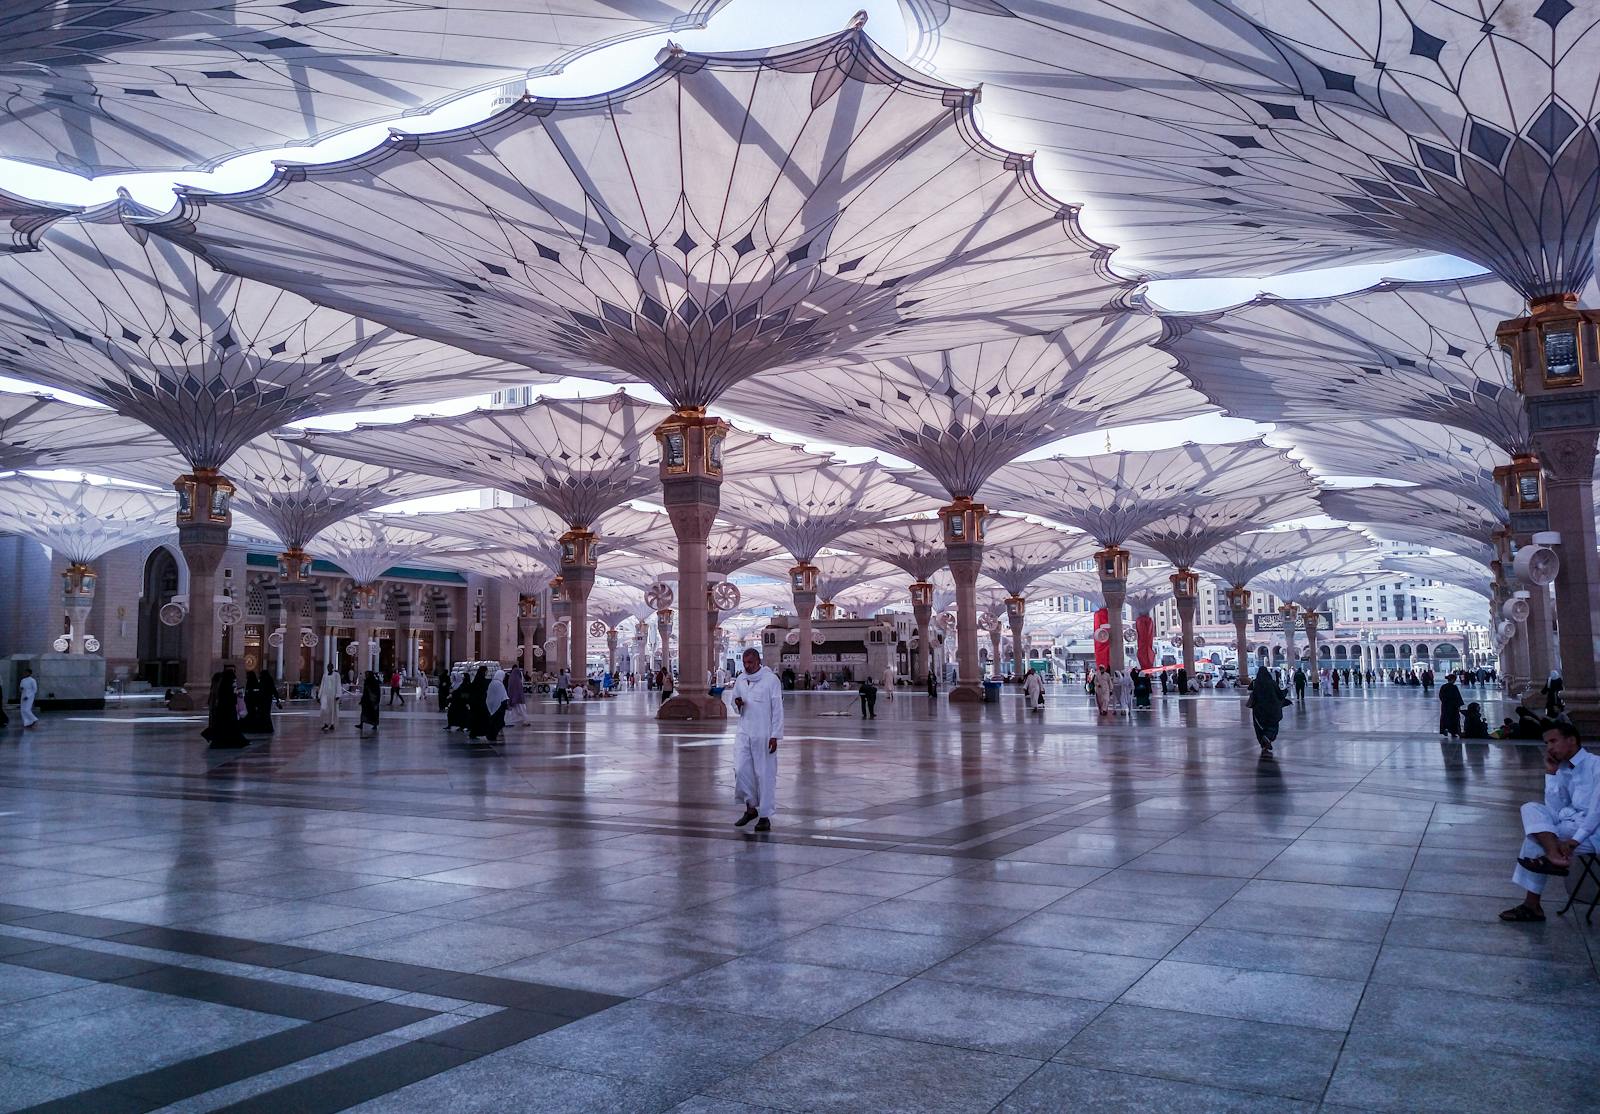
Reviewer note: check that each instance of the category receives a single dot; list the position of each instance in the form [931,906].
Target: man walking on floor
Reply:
[758,698]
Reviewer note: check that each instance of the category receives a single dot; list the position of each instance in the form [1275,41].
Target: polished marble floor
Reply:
[958,910]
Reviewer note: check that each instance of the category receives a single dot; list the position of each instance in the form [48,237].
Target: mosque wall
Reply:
[29,620]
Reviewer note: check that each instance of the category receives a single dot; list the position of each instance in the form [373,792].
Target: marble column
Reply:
[963,543]
[1239,605]
[691,482]
[1016,611]
[803,583]
[664,638]
[994,648]
[1185,595]
[77,600]
[577,578]
[204,518]
[922,612]
[1289,613]
[611,651]
[1312,620]
[1112,565]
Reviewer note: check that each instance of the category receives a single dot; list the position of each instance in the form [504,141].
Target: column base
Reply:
[686,706]
[966,694]
[1583,709]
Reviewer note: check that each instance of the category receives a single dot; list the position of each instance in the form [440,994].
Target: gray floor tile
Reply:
[612,966]
[1060,971]
[1062,1087]
[1270,996]
[785,991]
[964,1015]
[836,1071]
[1095,934]
[500,1083]
[1375,1073]
[1271,951]
[1200,1048]
[864,949]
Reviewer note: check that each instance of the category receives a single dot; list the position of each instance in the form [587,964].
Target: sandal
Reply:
[1542,865]
[1519,914]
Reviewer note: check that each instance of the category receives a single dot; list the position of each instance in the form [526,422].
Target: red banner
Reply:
[1102,641]
[1144,630]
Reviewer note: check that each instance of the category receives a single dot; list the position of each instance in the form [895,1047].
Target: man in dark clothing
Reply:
[1450,703]
[1299,684]
[869,698]
[1183,681]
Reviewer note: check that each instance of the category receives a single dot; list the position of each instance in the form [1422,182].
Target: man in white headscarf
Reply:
[328,699]
[758,698]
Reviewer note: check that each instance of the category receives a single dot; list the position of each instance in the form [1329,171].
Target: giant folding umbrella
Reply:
[721,216]
[528,570]
[82,522]
[365,547]
[1212,136]
[1112,496]
[728,549]
[1420,452]
[39,432]
[298,493]
[100,86]
[960,413]
[809,508]
[1469,527]
[1148,587]
[577,458]
[1016,553]
[1305,586]
[915,546]
[1239,560]
[208,360]
[1184,537]
[578,548]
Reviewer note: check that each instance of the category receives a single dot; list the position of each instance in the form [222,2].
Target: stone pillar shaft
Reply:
[1312,620]
[1115,594]
[691,483]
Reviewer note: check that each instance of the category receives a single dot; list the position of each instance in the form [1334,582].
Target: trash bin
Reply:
[991,692]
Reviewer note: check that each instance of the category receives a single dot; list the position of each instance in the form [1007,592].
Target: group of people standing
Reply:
[479,705]
[235,711]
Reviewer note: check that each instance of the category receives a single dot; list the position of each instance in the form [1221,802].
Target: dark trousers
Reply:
[869,705]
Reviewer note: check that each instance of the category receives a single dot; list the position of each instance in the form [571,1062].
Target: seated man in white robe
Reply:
[1563,824]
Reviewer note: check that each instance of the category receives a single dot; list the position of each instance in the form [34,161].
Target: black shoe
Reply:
[763,825]
[749,815]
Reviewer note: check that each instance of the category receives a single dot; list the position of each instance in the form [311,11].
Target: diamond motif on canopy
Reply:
[523,571]
[22,221]
[80,520]
[961,413]
[837,201]
[97,86]
[1017,552]
[209,361]
[1112,496]
[577,457]
[915,546]
[1461,572]
[1238,561]
[1311,581]
[298,493]
[806,509]
[1421,351]
[1417,508]
[366,546]
[1481,551]
[1423,453]
[1185,536]
[39,432]
[1217,137]
[728,549]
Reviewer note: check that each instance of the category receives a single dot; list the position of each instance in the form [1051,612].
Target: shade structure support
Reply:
[713,616]
[1289,612]
[294,592]
[1541,635]
[611,652]
[691,490]
[1016,610]
[1312,621]
[1185,595]
[77,600]
[577,581]
[664,636]
[963,544]
[1239,604]
[1568,460]
[1112,565]
[922,613]
[204,518]
[803,583]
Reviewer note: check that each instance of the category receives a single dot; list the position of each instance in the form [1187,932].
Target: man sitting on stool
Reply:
[1563,824]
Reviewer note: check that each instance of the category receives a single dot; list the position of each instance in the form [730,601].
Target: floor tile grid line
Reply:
[205,1067]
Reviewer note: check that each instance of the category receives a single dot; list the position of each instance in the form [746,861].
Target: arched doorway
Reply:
[160,646]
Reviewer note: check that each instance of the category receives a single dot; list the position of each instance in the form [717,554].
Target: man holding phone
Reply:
[758,698]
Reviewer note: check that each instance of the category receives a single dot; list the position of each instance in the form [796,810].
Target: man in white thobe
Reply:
[758,698]
[1560,826]
[328,699]
[1033,691]
[27,693]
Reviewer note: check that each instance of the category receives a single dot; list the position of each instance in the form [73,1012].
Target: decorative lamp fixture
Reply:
[578,549]
[827,611]
[1521,483]
[1239,601]
[204,497]
[803,577]
[1112,563]
[78,580]
[527,607]
[294,565]
[921,594]
[1185,584]
[963,522]
[1554,347]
